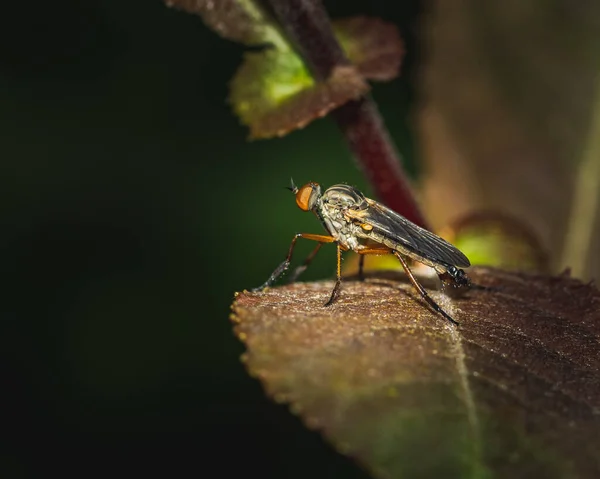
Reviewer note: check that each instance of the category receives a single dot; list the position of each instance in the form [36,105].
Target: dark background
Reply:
[132,208]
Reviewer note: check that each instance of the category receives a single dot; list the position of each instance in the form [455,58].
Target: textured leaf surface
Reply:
[513,392]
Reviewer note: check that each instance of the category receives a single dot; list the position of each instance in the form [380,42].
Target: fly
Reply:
[355,222]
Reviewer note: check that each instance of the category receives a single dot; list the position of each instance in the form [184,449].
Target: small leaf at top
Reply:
[513,392]
[372,45]
[243,21]
[273,92]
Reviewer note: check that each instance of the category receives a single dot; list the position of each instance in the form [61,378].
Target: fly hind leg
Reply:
[422,291]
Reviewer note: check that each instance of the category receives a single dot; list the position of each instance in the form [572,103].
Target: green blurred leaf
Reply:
[513,392]
[493,239]
[510,119]
[274,93]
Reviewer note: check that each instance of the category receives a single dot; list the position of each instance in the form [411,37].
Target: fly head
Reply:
[455,280]
[307,196]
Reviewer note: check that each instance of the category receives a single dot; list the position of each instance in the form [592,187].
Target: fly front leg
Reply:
[302,268]
[286,263]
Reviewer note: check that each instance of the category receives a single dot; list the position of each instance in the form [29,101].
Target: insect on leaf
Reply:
[514,392]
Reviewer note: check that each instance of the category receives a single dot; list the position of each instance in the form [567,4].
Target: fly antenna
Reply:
[293,188]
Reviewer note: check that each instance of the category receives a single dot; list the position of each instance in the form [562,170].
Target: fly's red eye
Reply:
[303,196]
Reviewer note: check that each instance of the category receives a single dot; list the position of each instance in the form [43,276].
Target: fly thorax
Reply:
[330,218]
[338,225]
[333,208]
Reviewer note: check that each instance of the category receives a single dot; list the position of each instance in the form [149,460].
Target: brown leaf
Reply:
[372,45]
[243,21]
[273,92]
[513,392]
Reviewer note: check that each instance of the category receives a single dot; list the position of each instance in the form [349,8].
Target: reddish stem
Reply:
[307,24]
[374,150]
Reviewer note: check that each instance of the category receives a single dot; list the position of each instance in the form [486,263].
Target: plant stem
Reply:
[308,26]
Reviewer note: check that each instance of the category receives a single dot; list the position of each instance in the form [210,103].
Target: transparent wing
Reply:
[415,239]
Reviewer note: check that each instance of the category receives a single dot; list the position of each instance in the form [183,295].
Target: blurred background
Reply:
[133,208]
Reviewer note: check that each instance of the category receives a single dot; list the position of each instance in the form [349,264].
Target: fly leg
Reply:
[413,280]
[338,280]
[376,250]
[422,291]
[302,268]
[286,263]
[361,267]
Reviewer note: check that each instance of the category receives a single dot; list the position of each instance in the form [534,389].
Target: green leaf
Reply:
[274,93]
[514,391]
